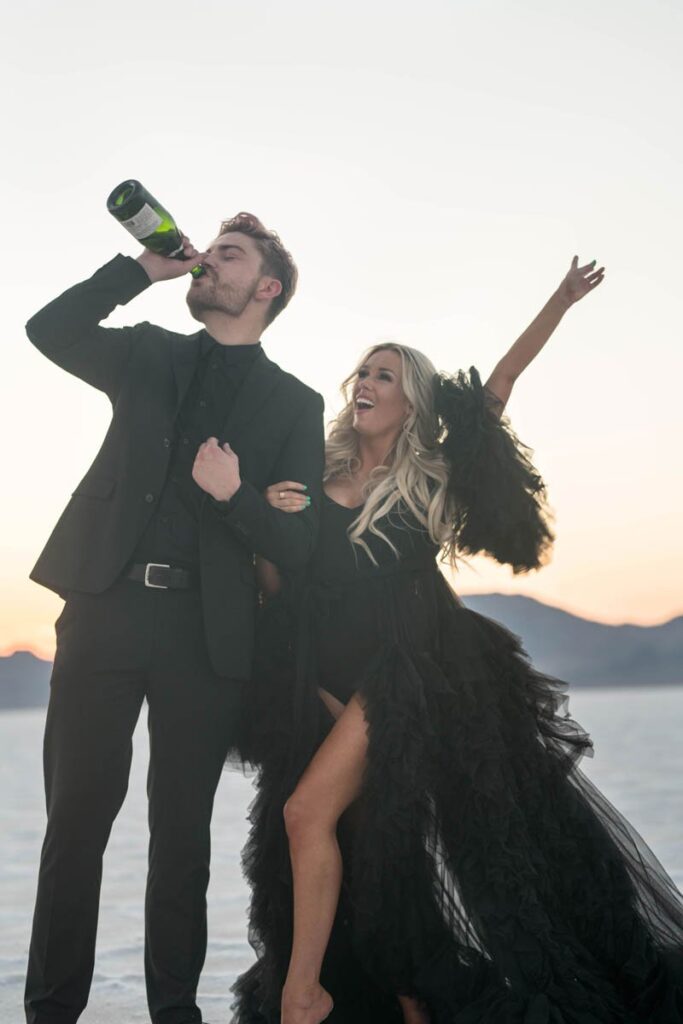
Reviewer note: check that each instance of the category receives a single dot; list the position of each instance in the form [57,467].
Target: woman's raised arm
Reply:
[577,282]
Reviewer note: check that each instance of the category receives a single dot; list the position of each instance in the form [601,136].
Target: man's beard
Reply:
[211,297]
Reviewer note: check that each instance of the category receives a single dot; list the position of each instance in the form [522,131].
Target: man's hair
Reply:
[275,260]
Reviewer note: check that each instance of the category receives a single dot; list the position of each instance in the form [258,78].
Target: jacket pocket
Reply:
[96,487]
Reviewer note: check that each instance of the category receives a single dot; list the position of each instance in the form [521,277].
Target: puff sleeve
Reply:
[499,501]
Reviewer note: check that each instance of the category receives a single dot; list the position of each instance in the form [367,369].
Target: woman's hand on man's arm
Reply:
[288,496]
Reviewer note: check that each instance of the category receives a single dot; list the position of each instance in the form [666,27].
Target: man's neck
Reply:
[227,330]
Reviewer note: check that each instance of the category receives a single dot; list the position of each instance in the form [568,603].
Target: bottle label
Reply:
[144,223]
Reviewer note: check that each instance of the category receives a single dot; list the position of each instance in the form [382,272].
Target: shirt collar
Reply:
[231,354]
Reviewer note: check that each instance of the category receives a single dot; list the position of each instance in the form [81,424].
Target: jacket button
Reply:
[149,497]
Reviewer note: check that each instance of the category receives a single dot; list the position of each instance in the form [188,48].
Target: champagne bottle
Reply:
[139,212]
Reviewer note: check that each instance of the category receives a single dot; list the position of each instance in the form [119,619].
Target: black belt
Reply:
[162,576]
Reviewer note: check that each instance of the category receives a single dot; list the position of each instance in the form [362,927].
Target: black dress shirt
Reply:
[172,534]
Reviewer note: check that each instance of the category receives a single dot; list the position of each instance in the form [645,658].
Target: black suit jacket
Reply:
[275,427]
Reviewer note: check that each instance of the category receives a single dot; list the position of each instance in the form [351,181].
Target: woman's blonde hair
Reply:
[415,476]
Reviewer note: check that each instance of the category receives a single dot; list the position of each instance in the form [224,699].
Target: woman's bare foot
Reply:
[413,1011]
[305,1006]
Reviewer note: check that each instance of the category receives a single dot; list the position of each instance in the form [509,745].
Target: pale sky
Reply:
[433,168]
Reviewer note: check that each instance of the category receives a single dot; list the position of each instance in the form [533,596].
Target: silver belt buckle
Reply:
[155,565]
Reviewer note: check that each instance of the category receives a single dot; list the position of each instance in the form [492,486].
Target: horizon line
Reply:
[16,647]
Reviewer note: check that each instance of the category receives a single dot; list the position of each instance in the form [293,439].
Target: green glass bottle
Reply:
[148,221]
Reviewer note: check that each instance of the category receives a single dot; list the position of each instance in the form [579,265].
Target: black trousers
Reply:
[113,650]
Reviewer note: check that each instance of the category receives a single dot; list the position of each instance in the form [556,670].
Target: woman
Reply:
[422,835]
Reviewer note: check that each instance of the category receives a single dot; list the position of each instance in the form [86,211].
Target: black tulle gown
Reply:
[483,873]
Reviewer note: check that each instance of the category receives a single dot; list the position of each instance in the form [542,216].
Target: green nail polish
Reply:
[305,486]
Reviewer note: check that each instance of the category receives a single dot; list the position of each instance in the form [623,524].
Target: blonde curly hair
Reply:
[415,476]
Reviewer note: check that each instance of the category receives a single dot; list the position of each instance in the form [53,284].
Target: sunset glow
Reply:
[436,198]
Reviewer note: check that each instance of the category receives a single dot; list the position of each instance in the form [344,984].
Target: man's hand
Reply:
[216,469]
[165,268]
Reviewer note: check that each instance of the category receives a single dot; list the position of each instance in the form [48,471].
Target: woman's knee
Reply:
[304,816]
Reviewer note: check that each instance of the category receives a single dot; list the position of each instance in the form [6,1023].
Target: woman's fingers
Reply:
[288,485]
[585,268]
[288,499]
[292,508]
[284,497]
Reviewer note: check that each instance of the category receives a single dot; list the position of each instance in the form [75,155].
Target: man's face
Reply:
[232,276]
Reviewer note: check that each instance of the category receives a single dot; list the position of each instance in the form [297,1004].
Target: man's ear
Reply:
[269,288]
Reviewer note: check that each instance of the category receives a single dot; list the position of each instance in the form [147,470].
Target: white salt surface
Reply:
[638,765]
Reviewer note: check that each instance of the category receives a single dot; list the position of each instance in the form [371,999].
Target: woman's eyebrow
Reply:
[383,369]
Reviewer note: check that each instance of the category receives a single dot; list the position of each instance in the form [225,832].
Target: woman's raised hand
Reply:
[288,496]
[580,280]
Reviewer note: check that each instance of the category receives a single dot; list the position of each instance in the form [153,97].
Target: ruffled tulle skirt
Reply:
[483,873]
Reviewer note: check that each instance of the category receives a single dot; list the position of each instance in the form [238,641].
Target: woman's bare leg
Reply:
[331,782]
[334,706]
[413,1011]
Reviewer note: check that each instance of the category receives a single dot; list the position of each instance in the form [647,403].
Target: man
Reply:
[155,555]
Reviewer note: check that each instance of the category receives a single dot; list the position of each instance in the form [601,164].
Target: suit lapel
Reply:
[185,352]
[251,397]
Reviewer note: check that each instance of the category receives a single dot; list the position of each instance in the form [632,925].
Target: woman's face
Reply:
[379,405]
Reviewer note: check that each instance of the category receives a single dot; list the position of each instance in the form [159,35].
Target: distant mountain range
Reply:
[583,652]
[24,681]
[587,653]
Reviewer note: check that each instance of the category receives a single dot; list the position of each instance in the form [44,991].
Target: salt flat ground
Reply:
[638,765]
